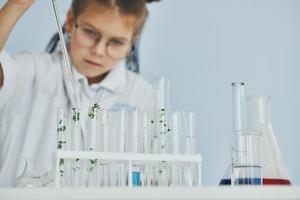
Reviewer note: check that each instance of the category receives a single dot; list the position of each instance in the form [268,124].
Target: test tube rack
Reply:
[129,158]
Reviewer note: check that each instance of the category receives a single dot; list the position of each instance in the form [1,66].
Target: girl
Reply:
[101,34]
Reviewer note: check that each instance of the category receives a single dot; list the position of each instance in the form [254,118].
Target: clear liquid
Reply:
[247,175]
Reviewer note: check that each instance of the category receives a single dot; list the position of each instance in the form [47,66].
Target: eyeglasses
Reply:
[89,37]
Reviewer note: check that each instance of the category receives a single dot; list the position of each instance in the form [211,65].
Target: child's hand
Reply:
[9,15]
[21,3]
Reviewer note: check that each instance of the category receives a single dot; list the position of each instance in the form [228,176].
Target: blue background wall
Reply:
[202,46]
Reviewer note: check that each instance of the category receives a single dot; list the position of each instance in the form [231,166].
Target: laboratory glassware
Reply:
[78,172]
[183,131]
[135,139]
[162,97]
[105,125]
[259,116]
[62,141]
[238,119]
[67,66]
[190,121]
[29,179]
[70,137]
[246,158]
[238,106]
[177,144]
[92,134]
[122,134]
[122,131]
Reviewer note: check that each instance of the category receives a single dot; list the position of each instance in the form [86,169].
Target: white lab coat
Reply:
[34,87]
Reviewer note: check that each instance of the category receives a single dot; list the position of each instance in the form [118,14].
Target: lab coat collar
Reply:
[114,81]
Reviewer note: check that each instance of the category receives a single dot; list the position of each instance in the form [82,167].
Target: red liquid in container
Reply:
[266,181]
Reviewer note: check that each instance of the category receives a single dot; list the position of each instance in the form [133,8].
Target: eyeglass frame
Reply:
[98,39]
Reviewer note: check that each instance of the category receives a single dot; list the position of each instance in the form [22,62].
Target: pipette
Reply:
[67,67]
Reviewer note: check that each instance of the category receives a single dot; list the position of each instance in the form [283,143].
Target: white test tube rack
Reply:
[129,158]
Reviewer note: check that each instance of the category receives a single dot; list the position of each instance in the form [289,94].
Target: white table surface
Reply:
[286,193]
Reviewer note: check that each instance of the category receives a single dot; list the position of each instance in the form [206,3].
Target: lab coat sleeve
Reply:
[18,72]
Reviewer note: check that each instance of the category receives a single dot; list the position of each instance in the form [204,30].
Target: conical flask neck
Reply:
[259,110]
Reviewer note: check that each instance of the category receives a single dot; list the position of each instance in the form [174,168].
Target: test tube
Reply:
[123,132]
[76,172]
[146,132]
[154,133]
[123,129]
[104,139]
[75,130]
[92,138]
[105,130]
[93,127]
[239,109]
[164,136]
[190,120]
[136,168]
[162,93]
[135,132]
[191,132]
[145,148]
[175,168]
[62,121]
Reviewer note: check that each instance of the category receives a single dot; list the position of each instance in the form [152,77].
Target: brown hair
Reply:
[135,8]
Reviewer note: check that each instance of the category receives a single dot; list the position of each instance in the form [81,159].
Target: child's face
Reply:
[100,38]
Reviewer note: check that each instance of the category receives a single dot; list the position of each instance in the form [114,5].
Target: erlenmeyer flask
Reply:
[26,179]
[259,118]
[29,180]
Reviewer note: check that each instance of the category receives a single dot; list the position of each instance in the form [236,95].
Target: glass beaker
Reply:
[246,158]
[238,119]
